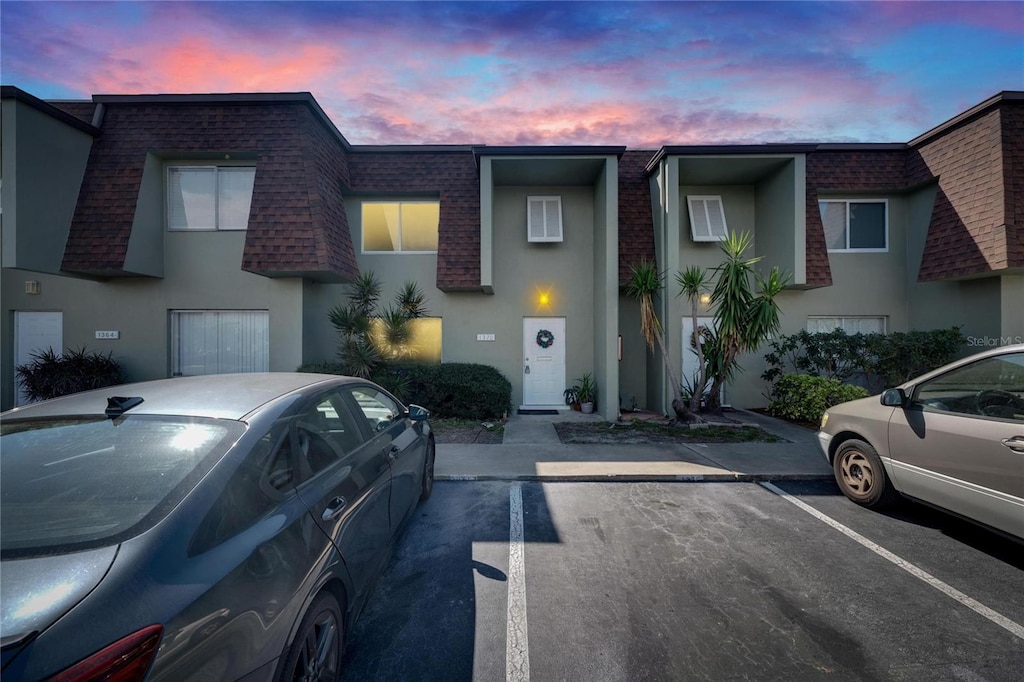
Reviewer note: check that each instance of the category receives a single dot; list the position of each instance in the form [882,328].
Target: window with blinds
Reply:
[544,219]
[707,218]
[851,324]
[209,197]
[219,341]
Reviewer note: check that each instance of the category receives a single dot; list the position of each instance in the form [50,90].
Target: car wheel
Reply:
[428,470]
[316,652]
[861,476]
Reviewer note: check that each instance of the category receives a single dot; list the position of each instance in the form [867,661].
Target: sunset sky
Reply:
[627,73]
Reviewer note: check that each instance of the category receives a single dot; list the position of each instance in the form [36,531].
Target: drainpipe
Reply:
[97,115]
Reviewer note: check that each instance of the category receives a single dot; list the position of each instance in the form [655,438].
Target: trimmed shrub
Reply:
[804,398]
[449,390]
[49,375]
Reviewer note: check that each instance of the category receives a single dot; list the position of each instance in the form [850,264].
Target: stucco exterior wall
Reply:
[202,273]
[521,271]
[43,161]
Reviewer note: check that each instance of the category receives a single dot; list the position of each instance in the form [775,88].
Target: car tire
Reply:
[316,652]
[861,476]
[428,470]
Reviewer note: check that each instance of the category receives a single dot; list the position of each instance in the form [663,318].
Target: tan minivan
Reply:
[952,438]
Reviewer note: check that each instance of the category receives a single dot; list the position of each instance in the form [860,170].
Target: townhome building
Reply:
[196,234]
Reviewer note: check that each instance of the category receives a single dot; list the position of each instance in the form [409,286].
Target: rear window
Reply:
[71,483]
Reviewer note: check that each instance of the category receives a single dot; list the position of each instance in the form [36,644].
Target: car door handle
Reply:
[1016,443]
[334,507]
[393,452]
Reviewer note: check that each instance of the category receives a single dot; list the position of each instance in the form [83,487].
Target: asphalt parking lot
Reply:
[680,581]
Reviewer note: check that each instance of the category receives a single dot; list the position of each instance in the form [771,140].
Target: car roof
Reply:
[223,396]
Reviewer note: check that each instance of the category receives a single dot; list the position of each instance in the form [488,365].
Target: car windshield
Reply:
[69,483]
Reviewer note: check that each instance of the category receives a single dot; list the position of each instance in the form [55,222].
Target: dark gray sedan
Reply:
[214,528]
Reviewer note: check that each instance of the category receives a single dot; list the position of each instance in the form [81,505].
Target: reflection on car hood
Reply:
[38,591]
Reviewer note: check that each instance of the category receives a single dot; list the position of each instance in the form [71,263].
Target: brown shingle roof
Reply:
[452,175]
[297,220]
[636,221]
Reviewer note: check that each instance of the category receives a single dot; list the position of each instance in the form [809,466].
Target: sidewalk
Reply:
[531,451]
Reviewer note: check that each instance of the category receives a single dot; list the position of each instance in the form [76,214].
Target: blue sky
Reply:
[641,74]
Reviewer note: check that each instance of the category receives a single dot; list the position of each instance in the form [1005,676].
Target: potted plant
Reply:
[572,398]
[586,392]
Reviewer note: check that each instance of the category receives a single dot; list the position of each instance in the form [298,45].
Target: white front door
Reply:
[35,332]
[543,368]
[691,365]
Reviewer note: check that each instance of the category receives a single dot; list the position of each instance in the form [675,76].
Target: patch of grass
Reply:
[654,432]
[451,430]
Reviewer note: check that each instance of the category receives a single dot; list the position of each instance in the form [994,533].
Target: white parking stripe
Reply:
[517,654]
[997,618]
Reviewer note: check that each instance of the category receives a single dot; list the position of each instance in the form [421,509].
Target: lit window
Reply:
[400,226]
[851,324]
[219,341]
[707,219]
[855,225]
[544,219]
[423,343]
[209,197]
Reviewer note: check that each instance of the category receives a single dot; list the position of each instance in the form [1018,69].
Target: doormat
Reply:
[537,412]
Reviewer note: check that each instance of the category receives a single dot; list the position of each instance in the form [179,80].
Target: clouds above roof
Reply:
[641,74]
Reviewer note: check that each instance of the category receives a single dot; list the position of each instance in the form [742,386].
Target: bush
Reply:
[49,375]
[804,398]
[877,360]
[448,390]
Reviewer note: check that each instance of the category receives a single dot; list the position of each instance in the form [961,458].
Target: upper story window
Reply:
[544,219]
[209,197]
[400,226]
[707,218]
[855,224]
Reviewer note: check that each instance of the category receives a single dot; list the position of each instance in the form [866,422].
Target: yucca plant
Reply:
[745,309]
[646,282]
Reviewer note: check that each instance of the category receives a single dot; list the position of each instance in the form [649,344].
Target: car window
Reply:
[325,433]
[379,409]
[992,387]
[78,482]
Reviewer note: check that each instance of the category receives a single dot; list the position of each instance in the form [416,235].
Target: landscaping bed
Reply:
[641,433]
[467,431]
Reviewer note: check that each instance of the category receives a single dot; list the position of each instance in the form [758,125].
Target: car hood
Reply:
[38,591]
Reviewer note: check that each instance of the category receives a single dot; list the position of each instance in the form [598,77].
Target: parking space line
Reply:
[976,606]
[517,654]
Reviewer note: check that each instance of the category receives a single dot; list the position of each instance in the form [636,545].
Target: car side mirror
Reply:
[417,413]
[894,397]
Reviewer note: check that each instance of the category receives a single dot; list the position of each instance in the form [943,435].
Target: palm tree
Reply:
[745,309]
[692,283]
[646,282]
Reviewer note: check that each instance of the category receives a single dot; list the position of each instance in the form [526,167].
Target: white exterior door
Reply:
[34,332]
[543,368]
[690,365]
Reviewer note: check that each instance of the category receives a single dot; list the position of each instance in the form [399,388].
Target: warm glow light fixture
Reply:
[705,299]
[543,298]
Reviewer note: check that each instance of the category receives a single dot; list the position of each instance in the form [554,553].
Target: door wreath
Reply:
[545,338]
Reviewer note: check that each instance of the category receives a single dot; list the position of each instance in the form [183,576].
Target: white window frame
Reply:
[398,250]
[705,204]
[176,337]
[548,237]
[841,318]
[171,168]
[847,202]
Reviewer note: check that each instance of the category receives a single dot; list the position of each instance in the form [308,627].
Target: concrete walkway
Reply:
[531,451]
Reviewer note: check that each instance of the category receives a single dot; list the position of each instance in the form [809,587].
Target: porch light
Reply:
[32,286]
[705,299]
[544,298]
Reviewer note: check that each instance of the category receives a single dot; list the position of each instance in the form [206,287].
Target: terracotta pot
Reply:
[576,407]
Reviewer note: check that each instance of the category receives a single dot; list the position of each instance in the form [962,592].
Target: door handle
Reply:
[1016,443]
[393,452]
[334,507]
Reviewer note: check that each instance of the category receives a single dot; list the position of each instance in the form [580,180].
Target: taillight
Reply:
[126,660]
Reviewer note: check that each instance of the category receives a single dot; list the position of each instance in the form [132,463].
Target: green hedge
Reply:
[804,397]
[448,390]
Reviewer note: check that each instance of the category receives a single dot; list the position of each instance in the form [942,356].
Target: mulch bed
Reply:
[467,435]
[641,433]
